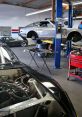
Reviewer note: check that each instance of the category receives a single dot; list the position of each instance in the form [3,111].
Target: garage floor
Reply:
[73,88]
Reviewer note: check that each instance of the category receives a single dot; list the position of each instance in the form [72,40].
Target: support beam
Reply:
[44,6]
[70,16]
[53,11]
[27,2]
[58,33]
[70,24]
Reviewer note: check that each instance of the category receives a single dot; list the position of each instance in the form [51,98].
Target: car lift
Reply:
[58,38]
[58,33]
[38,51]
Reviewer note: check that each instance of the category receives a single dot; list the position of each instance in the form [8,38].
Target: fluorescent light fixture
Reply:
[42,11]
[77,3]
[64,4]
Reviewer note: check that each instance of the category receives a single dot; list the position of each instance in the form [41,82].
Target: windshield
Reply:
[40,24]
[6,55]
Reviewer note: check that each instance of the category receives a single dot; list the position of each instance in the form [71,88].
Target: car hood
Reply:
[9,60]
[52,86]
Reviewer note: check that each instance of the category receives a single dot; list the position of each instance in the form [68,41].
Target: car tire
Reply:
[24,44]
[74,36]
[32,35]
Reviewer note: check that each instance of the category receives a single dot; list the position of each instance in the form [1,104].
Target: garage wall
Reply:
[14,16]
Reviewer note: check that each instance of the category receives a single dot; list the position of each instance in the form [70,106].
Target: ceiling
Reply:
[36,4]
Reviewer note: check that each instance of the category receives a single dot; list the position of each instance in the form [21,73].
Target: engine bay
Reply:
[19,91]
[16,87]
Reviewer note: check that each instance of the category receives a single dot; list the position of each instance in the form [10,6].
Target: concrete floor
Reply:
[73,88]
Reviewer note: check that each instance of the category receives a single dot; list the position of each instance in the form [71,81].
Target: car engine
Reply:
[15,86]
[22,95]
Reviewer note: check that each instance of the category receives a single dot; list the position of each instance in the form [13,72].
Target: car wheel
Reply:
[32,35]
[75,37]
[24,44]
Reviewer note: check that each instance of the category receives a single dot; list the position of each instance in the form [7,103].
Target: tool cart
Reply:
[75,64]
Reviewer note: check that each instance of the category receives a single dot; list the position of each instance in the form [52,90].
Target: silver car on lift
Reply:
[47,29]
[40,29]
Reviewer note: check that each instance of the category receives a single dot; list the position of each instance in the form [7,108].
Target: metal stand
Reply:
[36,51]
[33,58]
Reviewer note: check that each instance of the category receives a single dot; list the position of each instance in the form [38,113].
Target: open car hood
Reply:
[56,90]
[24,91]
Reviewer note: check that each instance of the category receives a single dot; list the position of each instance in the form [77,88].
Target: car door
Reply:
[9,41]
[46,29]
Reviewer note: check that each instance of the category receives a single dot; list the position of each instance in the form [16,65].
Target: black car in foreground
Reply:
[11,42]
[26,93]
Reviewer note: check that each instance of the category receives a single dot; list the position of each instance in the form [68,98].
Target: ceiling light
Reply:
[77,3]
[64,4]
[42,11]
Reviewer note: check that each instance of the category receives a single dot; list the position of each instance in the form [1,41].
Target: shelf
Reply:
[74,75]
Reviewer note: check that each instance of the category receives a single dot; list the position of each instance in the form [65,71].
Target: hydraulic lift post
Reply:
[58,33]
[70,16]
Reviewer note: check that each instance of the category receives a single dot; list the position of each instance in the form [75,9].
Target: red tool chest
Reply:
[75,66]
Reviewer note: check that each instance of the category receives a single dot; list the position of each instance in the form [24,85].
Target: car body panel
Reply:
[66,31]
[44,29]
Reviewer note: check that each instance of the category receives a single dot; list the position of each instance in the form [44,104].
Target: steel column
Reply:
[68,47]
[70,23]
[58,33]
[53,10]
[70,16]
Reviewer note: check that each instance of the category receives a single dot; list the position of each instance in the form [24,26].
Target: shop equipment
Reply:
[75,65]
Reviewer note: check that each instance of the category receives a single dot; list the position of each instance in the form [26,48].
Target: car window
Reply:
[77,10]
[45,24]
[36,24]
[11,38]
[30,25]
[3,38]
[49,25]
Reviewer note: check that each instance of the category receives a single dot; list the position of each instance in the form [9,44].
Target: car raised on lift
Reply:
[46,29]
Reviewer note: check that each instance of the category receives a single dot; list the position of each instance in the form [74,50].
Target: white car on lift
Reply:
[40,29]
[74,33]
[46,30]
